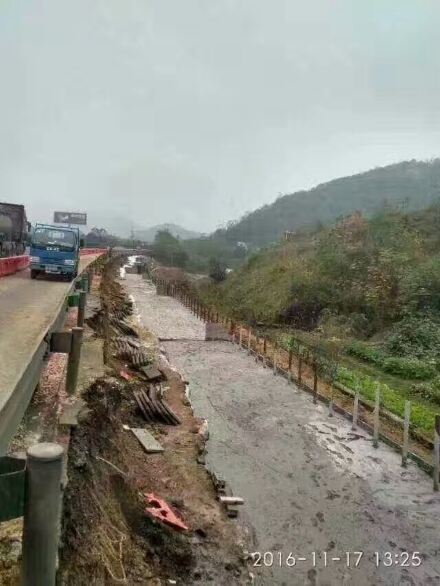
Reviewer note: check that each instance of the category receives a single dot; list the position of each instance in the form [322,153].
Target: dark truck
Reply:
[14,229]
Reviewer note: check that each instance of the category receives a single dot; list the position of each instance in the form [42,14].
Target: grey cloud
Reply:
[195,111]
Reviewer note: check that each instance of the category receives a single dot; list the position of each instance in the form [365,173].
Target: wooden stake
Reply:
[355,411]
[406,433]
[330,408]
[436,462]
[376,419]
[315,382]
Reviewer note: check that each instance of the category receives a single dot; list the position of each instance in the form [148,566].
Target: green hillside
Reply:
[378,269]
[367,288]
[414,185]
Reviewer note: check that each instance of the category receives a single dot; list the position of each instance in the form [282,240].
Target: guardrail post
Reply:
[73,360]
[89,279]
[42,509]
[240,339]
[406,433]
[85,282]
[275,351]
[249,340]
[300,369]
[81,308]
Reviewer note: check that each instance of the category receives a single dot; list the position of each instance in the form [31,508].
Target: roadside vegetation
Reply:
[369,289]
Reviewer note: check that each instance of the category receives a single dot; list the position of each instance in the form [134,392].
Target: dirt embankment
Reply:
[107,537]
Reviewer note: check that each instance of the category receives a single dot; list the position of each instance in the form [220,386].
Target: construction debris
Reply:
[151,373]
[225,496]
[154,408]
[122,327]
[231,500]
[150,444]
[129,349]
[125,375]
[160,510]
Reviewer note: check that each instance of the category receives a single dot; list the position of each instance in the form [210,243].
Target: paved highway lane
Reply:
[27,309]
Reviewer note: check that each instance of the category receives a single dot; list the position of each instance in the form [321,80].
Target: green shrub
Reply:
[409,368]
[429,391]
[365,352]
[327,368]
[415,336]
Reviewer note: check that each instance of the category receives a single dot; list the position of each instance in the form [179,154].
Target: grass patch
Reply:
[410,368]
[365,352]
[422,416]
[364,378]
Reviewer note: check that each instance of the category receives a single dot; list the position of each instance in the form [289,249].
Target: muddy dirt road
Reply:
[312,487]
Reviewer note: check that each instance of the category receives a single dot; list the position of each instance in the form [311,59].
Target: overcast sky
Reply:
[196,111]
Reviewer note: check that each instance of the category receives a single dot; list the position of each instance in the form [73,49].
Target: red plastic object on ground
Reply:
[12,264]
[160,510]
[125,375]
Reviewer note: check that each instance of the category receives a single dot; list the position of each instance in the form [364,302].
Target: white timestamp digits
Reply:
[269,559]
[403,559]
[350,558]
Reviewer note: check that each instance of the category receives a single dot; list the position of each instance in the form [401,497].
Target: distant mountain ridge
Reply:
[148,234]
[413,184]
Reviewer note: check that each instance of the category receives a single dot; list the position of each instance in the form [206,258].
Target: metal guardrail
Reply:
[19,398]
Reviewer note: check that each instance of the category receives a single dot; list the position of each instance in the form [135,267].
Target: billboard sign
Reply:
[70,218]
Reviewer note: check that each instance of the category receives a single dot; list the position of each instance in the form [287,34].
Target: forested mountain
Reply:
[412,185]
[149,234]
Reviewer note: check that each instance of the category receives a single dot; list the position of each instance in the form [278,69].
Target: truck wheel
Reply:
[34,273]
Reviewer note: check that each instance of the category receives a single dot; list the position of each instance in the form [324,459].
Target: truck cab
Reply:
[54,250]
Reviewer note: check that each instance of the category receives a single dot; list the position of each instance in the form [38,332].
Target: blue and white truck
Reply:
[55,250]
